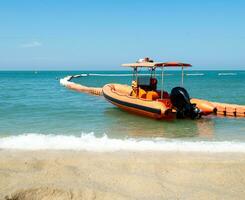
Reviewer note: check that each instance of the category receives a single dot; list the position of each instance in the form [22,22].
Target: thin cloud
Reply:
[31,44]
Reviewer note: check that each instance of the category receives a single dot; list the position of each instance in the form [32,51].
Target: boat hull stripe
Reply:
[136,106]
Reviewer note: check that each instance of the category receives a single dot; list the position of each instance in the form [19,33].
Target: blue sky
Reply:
[59,34]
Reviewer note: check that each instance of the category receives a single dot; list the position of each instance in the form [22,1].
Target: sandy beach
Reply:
[120,175]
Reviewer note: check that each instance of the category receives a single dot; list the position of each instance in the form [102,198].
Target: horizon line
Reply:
[54,70]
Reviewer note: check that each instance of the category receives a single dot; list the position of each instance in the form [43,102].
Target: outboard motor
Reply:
[180,99]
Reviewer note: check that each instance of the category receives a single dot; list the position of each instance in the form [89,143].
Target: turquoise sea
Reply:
[37,112]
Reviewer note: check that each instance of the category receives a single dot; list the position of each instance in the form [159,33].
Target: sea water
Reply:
[36,112]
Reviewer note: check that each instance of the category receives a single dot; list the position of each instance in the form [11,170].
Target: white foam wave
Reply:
[88,142]
[197,74]
[227,74]
[65,81]
[91,74]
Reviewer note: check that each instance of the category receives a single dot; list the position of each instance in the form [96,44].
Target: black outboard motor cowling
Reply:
[180,99]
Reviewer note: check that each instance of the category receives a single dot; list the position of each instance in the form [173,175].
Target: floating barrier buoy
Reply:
[232,110]
[79,88]
[223,109]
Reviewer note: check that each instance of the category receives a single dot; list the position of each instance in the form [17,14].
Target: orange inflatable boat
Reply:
[158,108]
[144,98]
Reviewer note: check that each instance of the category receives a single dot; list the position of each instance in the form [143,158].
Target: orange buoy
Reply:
[233,110]
[205,106]
[220,109]
[80,88]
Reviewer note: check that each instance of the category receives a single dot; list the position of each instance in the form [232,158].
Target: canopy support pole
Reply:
[162,83]
[182,79]
[135,74]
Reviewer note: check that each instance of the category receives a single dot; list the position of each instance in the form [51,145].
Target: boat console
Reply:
[147,83]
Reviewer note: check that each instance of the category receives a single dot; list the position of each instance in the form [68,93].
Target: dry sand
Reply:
[120,175]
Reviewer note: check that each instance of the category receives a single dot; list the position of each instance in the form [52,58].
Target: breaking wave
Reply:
[196,74]
[89,142]
[113,75]
[227,74]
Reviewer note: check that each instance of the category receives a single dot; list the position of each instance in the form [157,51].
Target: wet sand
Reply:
[120,175]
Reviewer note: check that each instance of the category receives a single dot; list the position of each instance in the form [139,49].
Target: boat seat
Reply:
[142,93]
[165,94]
[152,95]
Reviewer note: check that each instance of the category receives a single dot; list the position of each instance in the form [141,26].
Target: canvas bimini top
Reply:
[146,62]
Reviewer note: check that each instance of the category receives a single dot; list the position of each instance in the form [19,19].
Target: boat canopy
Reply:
[157,64]
[146,62]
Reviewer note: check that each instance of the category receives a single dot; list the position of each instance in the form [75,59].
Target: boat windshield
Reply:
[147,83]
[144,80]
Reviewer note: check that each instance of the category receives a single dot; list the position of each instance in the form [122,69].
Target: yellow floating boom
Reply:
[233,110]
[223,109]
[80,88]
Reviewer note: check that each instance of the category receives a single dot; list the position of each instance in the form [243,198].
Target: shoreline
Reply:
[91,143]
[70,174]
